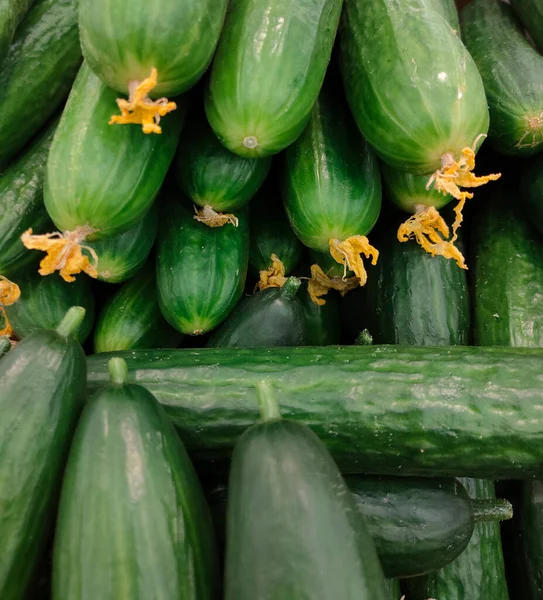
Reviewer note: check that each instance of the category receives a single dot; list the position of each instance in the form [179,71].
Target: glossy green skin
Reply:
[507,275]
[121,256]
[11,14]
[412,86]
[209,174]
[122,42]
[530,12]
[37,73]
[512,72]
[45,300]
[201,270]
[271,317]
[127,455]
[331,184]
[447,8]
[42,378]
[531,187]
[322,324]
[132,319]
[478,572]
[268,70]
[21,203]
[474,411]
[292,527]
[102,175]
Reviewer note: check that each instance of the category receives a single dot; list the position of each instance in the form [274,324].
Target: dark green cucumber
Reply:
[11,14]
[292,527]
[133,521]
[123,42]
[331,181]
[512,72]
[271,317]
[123,255]
[393,589]
[201,270]
[45,300]
[322,323]
[37,73]
[412,86]
[211,175]
[449,411]
[42,379]
[268,70]
[5,344]
[530,12]
[531,182]
[21,203]
[132,318]
[101,176]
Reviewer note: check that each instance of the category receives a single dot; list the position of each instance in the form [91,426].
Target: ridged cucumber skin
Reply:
[45,300]
[11,14]
[132,319]
[414,90]
[322,323]
[331,185]
[358,398]
[209,174]
[41,65]
[21,203]
[268,70]
[478,572]
[531,187]
[121,256]
[42,378]
[271,317]
[201,270]
[133,521]
[512,72]
[530,12]
[292,526]
[122,42]
[102,175]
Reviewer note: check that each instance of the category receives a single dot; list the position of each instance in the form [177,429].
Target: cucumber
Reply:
[45,300]
[201,270]
[267,72]
[40,66]
[132,318]
[454,403]
[42,378]
[512,72]
[5,344]
[447,8]
[530,12]
[292,527]
[322,323]
[393,589]
[271,317]
[21,203]
[11,14]
[150,532]
[414,90]
[531,180]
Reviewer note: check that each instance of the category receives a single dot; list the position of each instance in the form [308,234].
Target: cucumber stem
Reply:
[492,510]
[5,345]
[269,408]
[71,322]
[118,371]
[291,287]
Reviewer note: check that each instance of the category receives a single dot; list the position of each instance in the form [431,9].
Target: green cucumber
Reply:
[271,317]
[292,527]
[530,12]
[466,411]
[21,203]
[512,72]
[100,176]
[5,344]
[11,14]
[531,182]
[123,42]
[322,323]
[43,380]
[414,90]
[45,300]
[201,270]
[37,73]
[393,589]
[268,70]
[132,319]
[447,8]
[149,534]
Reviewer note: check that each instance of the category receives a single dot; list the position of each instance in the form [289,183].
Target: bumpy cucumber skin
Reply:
[530,12]
[101,175]
[531,186]
[122,42]
[201,270]
[11,14]
[268,70]
[37,73]
[150,534]
[42,378]
[512,72]
[412,86]
[490,398]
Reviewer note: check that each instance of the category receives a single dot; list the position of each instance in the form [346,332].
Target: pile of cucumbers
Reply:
[271,300]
